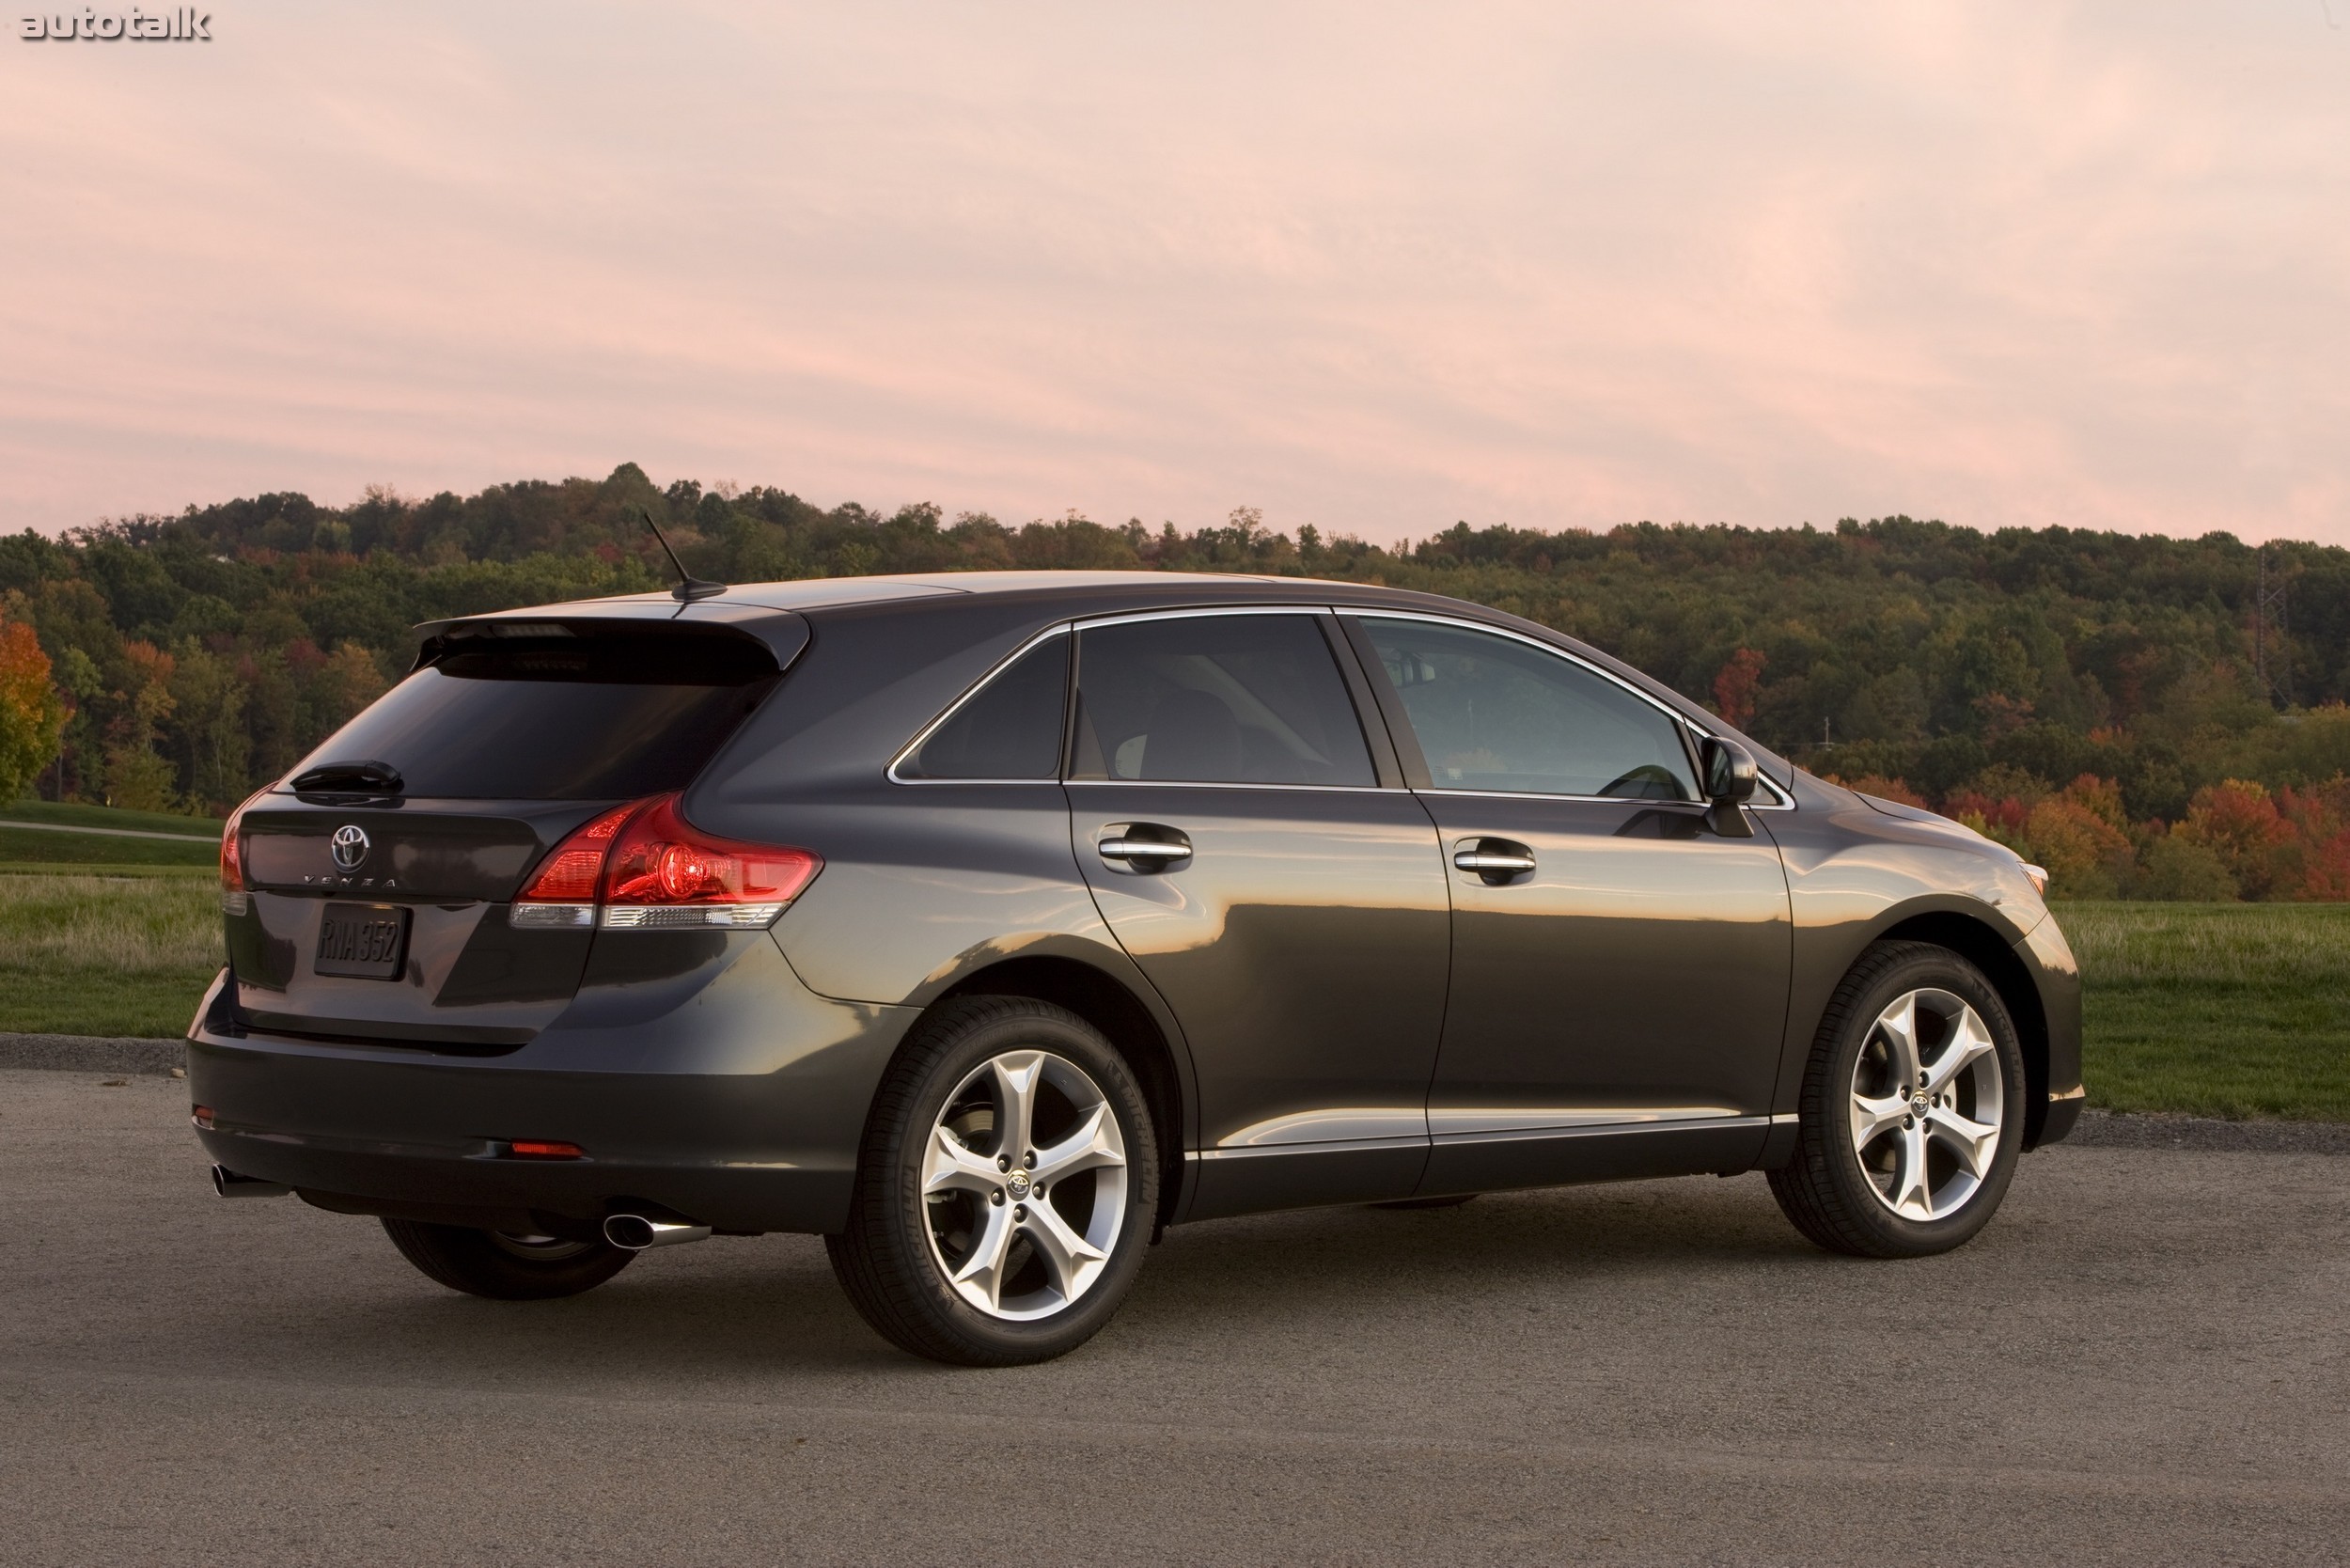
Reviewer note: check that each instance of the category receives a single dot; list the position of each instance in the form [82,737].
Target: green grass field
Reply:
[2217,1009]
[82,954]
[2220,1010]
[102,934]
[30,838]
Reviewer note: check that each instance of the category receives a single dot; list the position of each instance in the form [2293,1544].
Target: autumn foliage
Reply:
[198,655]
[31,713]
[2238,839]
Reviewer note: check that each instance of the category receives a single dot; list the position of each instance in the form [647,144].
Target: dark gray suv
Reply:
[987,924]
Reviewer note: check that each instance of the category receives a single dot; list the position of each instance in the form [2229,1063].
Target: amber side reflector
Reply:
[544,1149]
[202,1116]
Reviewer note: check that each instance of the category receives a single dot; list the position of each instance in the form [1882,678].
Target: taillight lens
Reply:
[563,893]
[666,872]
[644,866]
[236,894]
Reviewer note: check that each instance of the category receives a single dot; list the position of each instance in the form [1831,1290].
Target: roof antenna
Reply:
[689,587]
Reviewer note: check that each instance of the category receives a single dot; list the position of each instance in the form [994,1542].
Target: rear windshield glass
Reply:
[571,718]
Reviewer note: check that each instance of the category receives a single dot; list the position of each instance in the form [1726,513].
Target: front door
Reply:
[1620,968]
[1231,821]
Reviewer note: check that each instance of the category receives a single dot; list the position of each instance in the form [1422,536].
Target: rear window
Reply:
[559,718]
[1008,729]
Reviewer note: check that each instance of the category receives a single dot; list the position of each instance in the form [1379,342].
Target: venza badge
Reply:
[350,846]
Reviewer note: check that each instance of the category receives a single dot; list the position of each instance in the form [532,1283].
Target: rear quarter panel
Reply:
[924,885]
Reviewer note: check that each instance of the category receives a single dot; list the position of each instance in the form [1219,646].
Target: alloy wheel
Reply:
[1024,1183]
[1927,1104]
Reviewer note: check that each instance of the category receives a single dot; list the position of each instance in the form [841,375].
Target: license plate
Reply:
[363,941]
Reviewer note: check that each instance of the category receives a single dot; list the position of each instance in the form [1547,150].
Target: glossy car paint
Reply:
[725,1076]
[1636,979]
[1304,946]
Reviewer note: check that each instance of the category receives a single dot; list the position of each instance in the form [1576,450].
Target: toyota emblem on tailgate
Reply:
[350,846]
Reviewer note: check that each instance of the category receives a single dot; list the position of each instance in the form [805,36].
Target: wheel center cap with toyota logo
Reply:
[1017,1183]
[350,846]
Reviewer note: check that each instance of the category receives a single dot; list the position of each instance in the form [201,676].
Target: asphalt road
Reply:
[2142,1360]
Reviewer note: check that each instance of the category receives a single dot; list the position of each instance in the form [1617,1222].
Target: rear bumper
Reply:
[742,1109]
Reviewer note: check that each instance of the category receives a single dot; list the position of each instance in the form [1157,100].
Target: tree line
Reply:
[2119,707]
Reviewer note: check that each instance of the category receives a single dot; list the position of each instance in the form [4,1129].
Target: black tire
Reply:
[1825,1190]
[888,1261]
[504,1268]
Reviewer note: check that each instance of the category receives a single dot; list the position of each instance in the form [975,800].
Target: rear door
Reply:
[378,896]
[1229,816]
[1620,968]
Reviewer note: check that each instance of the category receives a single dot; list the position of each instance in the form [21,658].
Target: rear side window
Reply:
[559,718]
[1216,700]
[1008,728]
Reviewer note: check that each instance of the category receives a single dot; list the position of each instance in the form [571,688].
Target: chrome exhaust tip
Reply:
[229,1185]
[635,1233]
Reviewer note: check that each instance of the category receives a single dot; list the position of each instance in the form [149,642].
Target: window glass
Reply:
[571,718]
[1496,713]
[1224,699]
[1009,729]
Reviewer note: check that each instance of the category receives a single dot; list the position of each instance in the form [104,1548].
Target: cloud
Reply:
[1373,268]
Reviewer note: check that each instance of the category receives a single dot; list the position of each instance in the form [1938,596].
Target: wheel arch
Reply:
[1978,944]
[1106,1003]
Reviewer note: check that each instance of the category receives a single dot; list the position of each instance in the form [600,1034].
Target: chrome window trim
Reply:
[1783,801]
[1213,784]
[1080,623]
[1191,612]
[1058,628]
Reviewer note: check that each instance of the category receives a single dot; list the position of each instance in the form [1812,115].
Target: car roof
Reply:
[1067,592]
[780,612]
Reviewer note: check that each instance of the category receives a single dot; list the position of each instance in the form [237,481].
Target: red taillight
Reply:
[571,873]
[666,872]
[544,1149]
[645,865]
[235,892]
[231,859]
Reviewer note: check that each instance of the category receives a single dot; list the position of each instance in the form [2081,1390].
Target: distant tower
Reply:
[2272,646]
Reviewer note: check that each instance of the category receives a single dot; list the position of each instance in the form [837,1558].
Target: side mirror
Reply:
[1728,773]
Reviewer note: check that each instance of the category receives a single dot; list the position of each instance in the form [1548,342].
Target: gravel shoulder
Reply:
[2140,1361]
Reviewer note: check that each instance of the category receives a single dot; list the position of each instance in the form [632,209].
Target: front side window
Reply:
[1216,700]
[1492,712]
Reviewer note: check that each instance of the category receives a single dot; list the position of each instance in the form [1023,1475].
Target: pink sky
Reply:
[1370,268]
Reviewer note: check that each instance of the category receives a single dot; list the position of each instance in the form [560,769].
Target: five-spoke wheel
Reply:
[1007,1187]
[1025,1184]
[1927,1104]
[1912,1112]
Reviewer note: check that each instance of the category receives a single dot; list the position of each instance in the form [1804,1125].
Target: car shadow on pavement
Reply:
[728,1308]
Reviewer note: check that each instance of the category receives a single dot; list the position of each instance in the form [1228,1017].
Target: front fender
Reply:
[1854,874]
